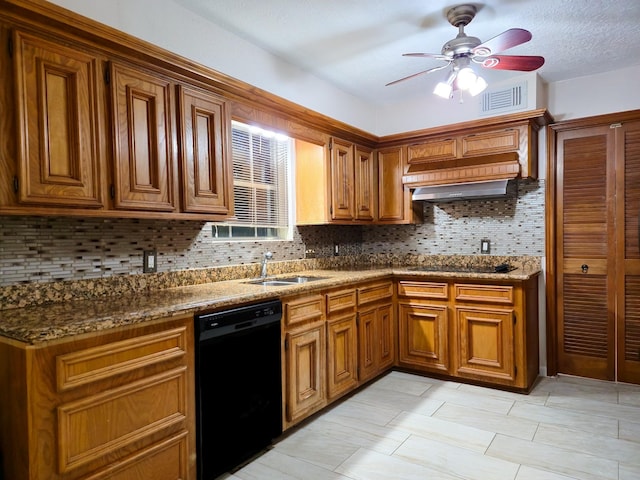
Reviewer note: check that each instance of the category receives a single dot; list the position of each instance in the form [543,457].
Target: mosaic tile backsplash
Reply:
[48,249]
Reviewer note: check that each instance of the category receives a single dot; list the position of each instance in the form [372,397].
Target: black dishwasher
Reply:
[238,385]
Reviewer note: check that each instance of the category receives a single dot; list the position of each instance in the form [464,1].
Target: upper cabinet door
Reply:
[58,151]
[391,194]
[144,162]
[342,179]
[365,184]
[207,181]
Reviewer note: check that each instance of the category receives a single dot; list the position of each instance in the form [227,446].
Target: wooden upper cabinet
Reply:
[144,160]
[342,180]
[57,117]
[365,184]
[492,142]
[433,151]
[393,200]
[207,177]
[482,143]
[485,149]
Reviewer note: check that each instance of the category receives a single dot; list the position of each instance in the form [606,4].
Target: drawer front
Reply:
[374,292]
[165,460]
[341,300]
[433,290]
[103,427]
[484,293]
[105,361]
[304,310]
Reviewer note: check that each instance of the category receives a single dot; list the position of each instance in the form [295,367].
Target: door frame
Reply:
[551,263]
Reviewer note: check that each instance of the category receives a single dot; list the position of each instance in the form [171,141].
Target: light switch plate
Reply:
[485,246]
[150,261]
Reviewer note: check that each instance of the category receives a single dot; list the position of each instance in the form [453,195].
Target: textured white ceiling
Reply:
[357,45]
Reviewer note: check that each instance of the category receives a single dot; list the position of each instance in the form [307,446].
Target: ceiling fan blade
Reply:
[523,63]
[417,74]
[437,56]
[502,42]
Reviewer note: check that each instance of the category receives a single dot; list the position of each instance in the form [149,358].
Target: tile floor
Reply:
[411,427]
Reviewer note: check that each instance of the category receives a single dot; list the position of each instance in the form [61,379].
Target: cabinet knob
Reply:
[585,268]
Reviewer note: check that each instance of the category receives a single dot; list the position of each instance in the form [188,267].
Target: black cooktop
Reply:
[502,268]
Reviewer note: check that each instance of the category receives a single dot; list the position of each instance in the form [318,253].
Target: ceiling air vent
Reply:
[505,100]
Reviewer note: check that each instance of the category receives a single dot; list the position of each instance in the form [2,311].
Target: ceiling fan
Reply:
[464,50]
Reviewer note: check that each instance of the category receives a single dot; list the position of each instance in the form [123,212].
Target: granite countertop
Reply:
[41,324]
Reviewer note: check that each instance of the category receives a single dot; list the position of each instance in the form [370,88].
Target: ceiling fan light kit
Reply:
[462,50]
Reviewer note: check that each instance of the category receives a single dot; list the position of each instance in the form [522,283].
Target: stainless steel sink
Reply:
[279,282]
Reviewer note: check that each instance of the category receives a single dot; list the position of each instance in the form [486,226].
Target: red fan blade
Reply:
[437,56]
[502,42]
[523,63]
[417,74]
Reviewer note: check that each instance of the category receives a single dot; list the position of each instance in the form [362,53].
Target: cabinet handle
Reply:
[585,268]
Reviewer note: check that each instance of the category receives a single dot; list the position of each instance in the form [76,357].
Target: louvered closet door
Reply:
[586,253]
[628,207]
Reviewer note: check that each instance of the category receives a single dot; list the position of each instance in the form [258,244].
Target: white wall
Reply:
[432,111]
[174,28]
[169,25]
[608,92]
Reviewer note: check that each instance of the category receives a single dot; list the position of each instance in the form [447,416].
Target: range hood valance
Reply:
[493,188]
[464,170]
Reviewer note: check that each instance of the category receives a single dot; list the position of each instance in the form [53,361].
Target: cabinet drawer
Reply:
[103,427]
[105,361]
[305,309]
[342,300]
[491,142]
[165,460]
[434,290]
[484,293]
[374,292]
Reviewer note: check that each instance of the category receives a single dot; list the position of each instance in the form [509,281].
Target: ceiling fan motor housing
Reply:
[461,15]
[461,45]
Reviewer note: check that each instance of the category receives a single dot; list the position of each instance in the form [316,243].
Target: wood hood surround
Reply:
[497,148]
[491,148]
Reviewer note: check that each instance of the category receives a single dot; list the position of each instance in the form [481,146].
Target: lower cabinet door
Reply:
[305,361]
[342,355]
[424,338]
[367,345]
[485,343]
[386,337]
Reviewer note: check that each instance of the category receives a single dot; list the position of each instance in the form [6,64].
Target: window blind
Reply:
[260,177]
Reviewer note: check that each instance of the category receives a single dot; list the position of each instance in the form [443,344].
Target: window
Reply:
[261,186]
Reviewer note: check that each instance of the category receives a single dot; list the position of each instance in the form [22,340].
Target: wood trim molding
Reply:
[116,43]
[536,118]
[596,120]
[119,45]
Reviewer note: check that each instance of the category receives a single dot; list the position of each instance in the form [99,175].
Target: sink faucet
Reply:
[267,256]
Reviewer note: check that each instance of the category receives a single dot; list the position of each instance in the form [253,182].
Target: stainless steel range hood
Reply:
[493,188]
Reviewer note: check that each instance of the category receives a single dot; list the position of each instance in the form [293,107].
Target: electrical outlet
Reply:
[485,246]
[150,261]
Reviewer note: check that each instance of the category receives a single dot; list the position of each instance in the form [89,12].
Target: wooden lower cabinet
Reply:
[376,329]
[485,343]
[342,343]
[333,342]
[304,357]
[485,332]
[117,405]
[423,330]
[423,326]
